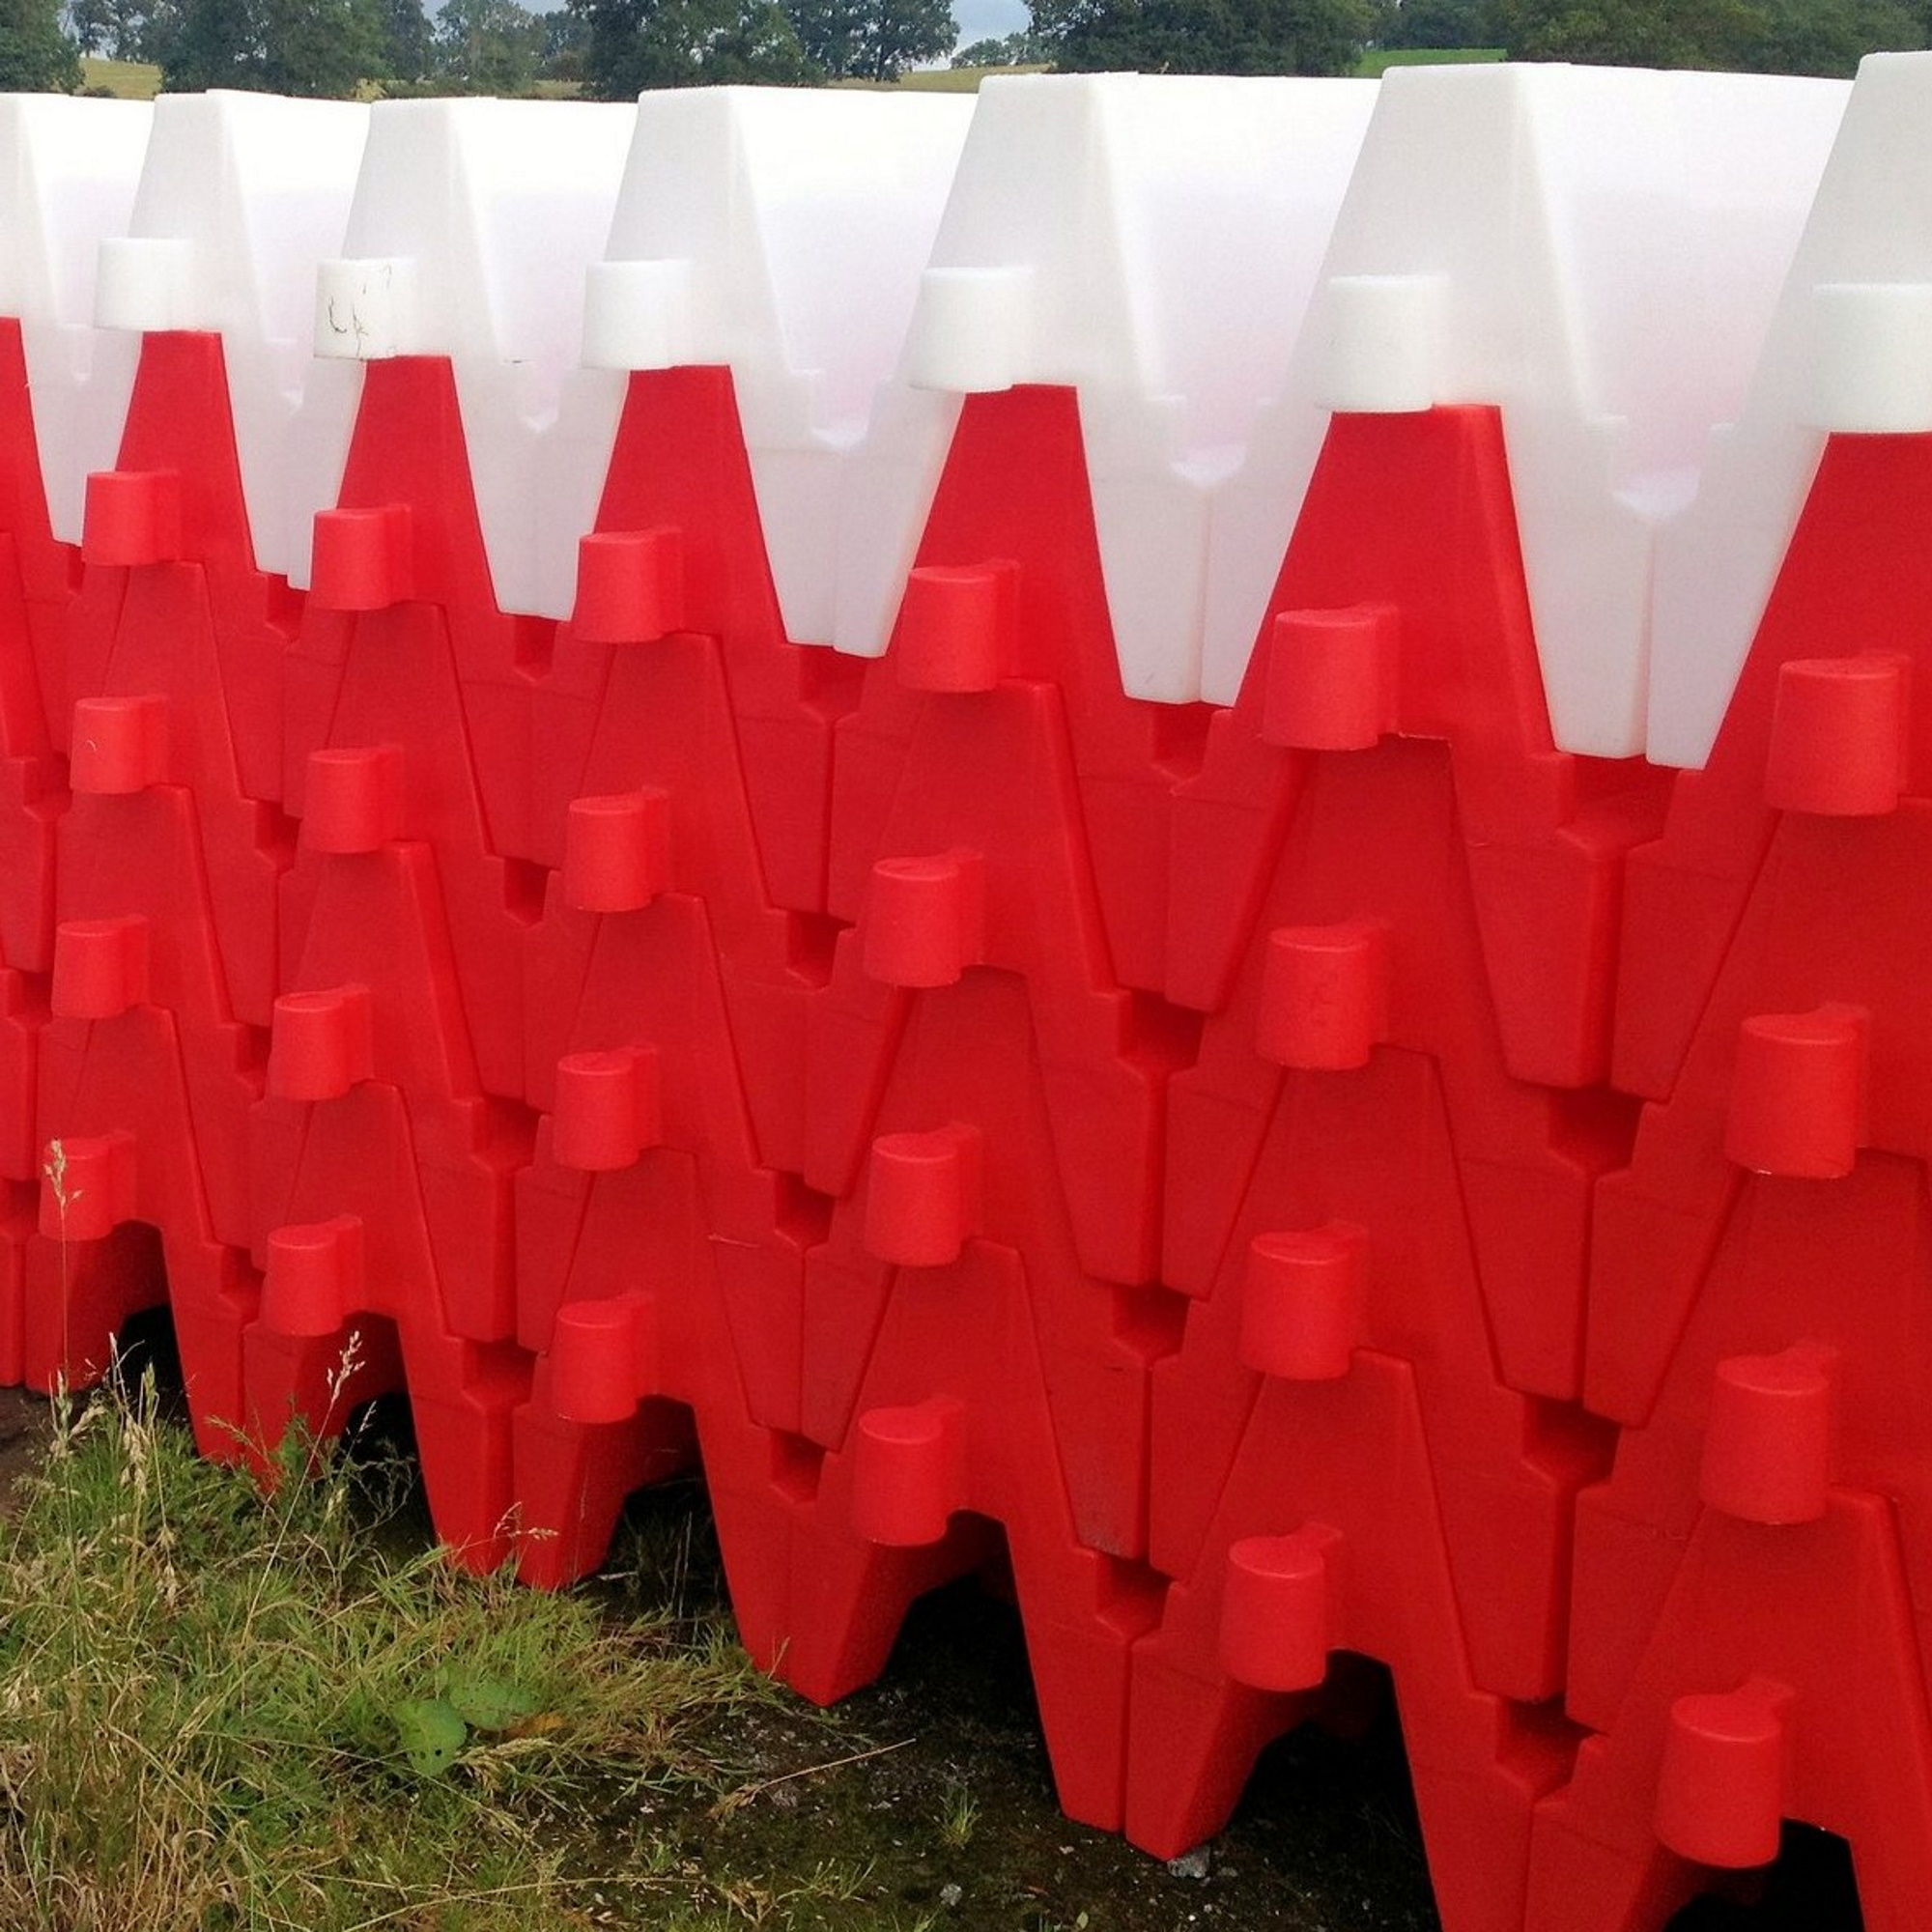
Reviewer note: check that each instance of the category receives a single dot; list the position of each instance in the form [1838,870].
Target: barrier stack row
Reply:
[1157,835]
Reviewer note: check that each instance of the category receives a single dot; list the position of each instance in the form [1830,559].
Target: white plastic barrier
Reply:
[68,175]
[1150,241]
[1213,265]
[1595,252]
[240,195]
[1850,351]
[779,232]
[471,226]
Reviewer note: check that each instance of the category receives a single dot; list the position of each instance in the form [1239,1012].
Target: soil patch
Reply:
[932,1789]
[26,1426]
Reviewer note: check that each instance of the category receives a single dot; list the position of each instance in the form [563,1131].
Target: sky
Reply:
[988,19]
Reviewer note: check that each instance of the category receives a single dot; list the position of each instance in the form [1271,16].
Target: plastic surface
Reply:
[1360,1166]
[1755,1286]
[1840,356]
[779,232]
[240,195]
[1149,243]
[72,166]
[1332,1506]
[470,230]
[1510,236]
[1004,650]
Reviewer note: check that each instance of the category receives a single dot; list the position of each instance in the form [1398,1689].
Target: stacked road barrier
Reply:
[1157,833]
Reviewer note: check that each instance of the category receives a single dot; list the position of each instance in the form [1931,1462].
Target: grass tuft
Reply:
[229,1711]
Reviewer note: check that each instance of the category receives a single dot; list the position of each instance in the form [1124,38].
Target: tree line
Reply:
[613,49]
[605,49]
[1331,36]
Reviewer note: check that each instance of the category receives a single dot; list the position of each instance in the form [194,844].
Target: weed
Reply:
[224,1709]
[956,1820]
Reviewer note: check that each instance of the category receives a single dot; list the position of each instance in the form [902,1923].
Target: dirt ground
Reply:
[1326,1840]
[24,1431]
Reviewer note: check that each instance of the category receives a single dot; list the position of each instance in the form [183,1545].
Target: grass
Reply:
[126,80]
[226,1712]
[1375,64]
[962,1812]
[954,79]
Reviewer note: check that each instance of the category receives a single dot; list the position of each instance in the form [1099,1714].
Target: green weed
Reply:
[960,1813]
[226,1711]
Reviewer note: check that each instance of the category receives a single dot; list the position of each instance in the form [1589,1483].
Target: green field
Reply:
[1374,65]
[126,80]
[956,79]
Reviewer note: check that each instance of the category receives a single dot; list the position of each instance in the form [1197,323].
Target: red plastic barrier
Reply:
[985,1099]
[957,1429]
[1008,591]
[678,548]
[408,696]
[1753,1570]
[36,599]
[164,961]
[1328,1539]
[1784,1679]
[645,1205]
[1381,1173]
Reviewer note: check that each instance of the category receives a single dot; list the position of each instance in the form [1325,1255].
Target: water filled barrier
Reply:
[1157,833]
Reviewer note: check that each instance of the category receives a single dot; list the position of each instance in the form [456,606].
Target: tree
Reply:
[1830,36]
[320,47]
[201,43]
[875,39]
[561,55]
[89,23]
[487,47]
[1624,33]
[127,28]
[1821,37]
[1435,24]
[831,33]
[317,48]
[1014,50]
[631,45]
[1204,36]
[35,56]
[409,50]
